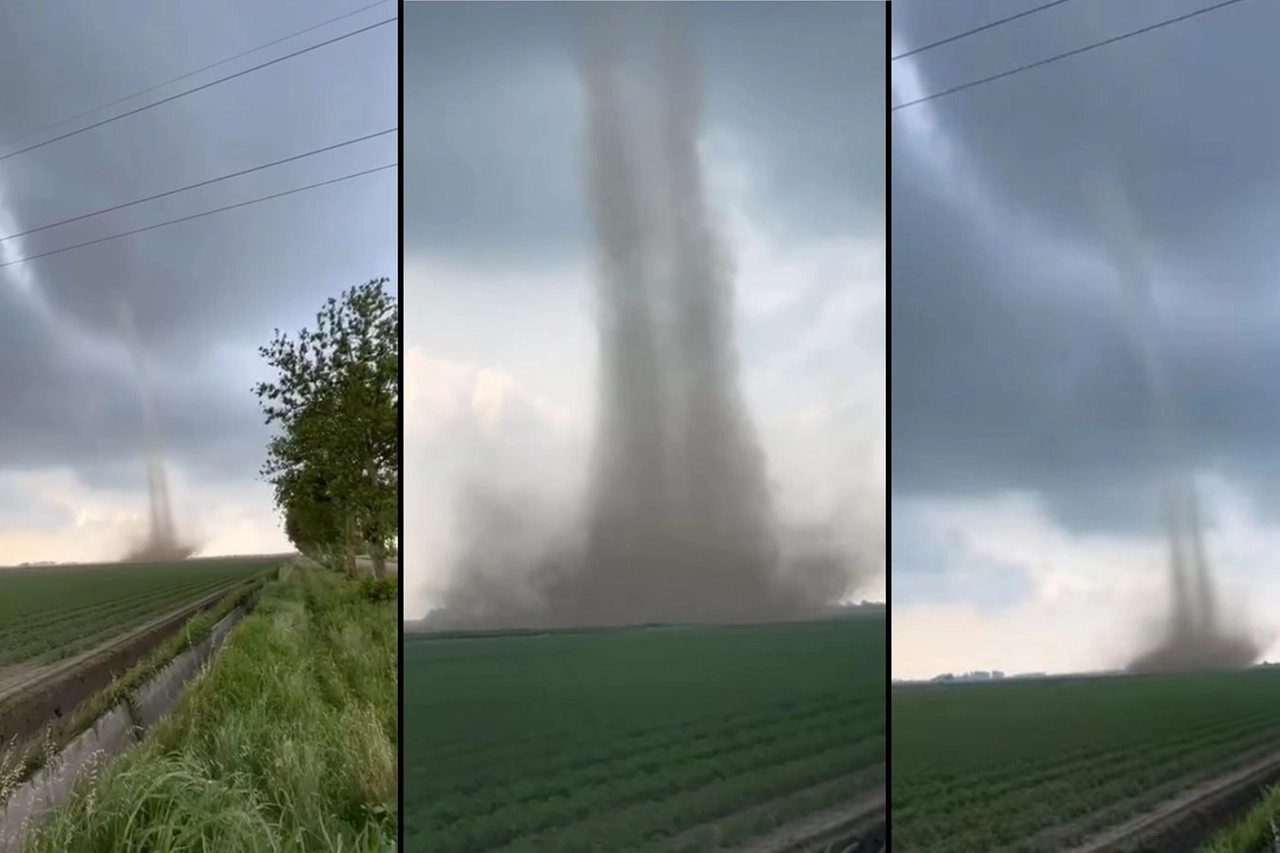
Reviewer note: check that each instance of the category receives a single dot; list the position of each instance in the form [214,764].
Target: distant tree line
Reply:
[334,461]
[976,675]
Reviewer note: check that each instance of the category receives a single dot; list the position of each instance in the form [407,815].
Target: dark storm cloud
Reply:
[790,81]
[61,408]
[1013,365]
[200,291]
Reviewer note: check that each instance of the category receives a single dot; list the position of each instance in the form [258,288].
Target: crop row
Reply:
[994,786]
[58,613]
[768,815]
[1026,772]
[40,619]
[548,741]
[67,636]
[558,757]
[694,760]
[627,815]
[638,739]
[1070,758]
[1101,795]
[85,629]
[30,591]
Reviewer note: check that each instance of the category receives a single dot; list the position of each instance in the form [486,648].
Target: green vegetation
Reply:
[1039,765]
[655,738]
[50,613]
[380,589]
[286,743]
[1258,831]
[335,464]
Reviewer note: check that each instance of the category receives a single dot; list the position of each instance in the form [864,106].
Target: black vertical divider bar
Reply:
[400,501]
[888,424]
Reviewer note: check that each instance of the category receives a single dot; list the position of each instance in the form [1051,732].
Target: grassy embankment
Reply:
[286,743]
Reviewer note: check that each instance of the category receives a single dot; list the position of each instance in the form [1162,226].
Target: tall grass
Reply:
[1256,831]
[287,743]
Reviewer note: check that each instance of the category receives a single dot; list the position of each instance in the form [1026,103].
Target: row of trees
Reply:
[335,458]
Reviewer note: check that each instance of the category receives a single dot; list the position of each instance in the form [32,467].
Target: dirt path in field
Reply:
[1184,822]
[32,696]
[15,674]
[857,824]
[364,565]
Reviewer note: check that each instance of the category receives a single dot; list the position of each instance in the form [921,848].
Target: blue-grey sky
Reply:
[498,257]
[1024,486]
[205,294]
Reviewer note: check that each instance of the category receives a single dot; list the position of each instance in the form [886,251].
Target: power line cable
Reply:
[205,183]
[975,30]
[181,77]
[201,87]
[1078,50]
[200,215]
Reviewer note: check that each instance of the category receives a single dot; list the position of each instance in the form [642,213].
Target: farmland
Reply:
[655,739]
[49,613]
[287,741]
[1042,765]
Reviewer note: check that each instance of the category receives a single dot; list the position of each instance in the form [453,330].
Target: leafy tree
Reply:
[335,461]
[311,520]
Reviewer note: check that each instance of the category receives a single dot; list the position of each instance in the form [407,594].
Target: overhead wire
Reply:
[1077,51]
[200,88]
[200,184]
[210,181]
[200,215]
[976,30]
[15,140]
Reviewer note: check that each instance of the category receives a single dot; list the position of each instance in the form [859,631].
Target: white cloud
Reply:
[1092,597]
[465,423]
[99,524]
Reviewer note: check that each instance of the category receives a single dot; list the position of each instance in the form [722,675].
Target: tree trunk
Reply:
[349,556]
[378,556]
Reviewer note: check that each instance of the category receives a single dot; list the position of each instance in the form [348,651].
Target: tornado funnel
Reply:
[1192,636]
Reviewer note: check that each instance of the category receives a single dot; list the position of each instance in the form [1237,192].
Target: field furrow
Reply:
[50,613]
[643,739]
[1040,765]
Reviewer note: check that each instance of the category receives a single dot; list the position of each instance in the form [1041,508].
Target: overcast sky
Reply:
[500,348]
[1024,498]
[206,293]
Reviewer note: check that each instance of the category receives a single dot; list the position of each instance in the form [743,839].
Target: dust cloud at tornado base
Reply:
[1192,634]
[678,523]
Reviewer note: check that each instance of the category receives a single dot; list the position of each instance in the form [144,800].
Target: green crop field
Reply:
[640,739]
[1039,765]
[47,613]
